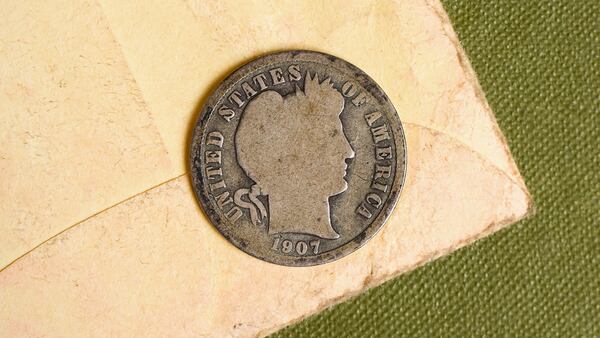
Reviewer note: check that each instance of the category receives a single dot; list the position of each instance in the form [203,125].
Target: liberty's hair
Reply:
[272,125]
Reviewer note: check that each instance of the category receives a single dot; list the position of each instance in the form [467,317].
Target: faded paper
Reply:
[76,135]
[153,265]
[407,47]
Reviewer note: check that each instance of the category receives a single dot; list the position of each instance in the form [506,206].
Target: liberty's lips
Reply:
[347,162]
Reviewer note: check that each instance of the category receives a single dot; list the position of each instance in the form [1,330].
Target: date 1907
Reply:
[300,247]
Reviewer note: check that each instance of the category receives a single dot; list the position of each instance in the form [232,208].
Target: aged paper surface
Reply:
[76,135]
[407,47]
[153,265]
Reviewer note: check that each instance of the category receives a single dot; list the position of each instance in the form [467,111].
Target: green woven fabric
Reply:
[539,65]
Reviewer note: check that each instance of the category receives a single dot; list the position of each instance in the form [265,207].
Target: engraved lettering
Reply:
[233,214]
[212,172]
[215,138]
[349,89]
[286,246]
[213,159]
[315,246]
[273,158]
[380,133]
[382,171]
[383,153]
[301,248]
[363,211]
[360,99]
[294,71]
[248,90]
[372,117]
[217,185]
[260,80]
[374,200]
[237,98]
[277,76]
[272,124]
[226,113]
[213,156]
[276,243]
[223,199]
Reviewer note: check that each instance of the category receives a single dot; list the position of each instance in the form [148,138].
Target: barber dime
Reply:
[298,158]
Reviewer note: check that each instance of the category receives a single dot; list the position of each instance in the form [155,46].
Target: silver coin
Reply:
[298,158]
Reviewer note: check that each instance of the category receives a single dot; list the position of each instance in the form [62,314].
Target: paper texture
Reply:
[153,265]
[76,135]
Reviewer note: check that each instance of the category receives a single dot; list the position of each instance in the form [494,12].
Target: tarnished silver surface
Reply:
[298,158]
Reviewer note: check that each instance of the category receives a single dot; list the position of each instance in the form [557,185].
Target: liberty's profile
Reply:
[295,151]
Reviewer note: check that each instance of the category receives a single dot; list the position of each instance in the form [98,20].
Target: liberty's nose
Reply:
[349,152]
[349,160]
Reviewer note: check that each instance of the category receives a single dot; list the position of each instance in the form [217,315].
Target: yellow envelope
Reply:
[98,100]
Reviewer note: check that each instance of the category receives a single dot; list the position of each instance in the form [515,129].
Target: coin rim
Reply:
[342,66]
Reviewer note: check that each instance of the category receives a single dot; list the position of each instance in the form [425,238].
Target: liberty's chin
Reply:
[341,186]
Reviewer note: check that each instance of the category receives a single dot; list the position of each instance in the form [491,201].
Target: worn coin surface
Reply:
[298,158]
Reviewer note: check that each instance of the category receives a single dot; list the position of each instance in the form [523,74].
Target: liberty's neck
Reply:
[300,215]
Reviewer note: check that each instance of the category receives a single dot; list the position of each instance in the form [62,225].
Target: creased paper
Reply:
[153,265]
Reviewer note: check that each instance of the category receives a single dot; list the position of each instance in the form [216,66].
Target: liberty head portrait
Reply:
[294,149]
[298,158]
